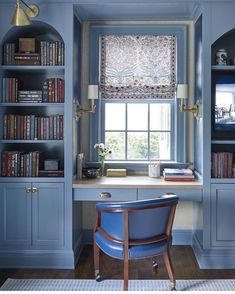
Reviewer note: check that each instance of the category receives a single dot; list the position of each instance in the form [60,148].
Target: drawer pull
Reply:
[105,195]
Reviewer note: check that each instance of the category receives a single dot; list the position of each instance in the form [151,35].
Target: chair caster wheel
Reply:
[98,277]
[155,265]
[173,288]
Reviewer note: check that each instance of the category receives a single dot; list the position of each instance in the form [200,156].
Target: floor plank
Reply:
[185,266]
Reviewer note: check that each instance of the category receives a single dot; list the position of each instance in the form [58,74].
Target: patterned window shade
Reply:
[142,67]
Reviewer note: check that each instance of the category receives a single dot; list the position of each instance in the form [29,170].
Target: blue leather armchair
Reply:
[135,230]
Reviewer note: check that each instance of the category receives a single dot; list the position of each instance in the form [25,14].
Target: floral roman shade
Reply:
[142,67]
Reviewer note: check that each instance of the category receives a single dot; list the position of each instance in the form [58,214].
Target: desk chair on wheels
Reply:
[135,230]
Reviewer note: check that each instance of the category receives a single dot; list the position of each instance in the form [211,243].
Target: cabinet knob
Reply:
[28,190]
[105,195]
[34,190]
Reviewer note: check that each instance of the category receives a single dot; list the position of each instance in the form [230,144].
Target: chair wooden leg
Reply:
[126,274]
[170,270]
[97,262]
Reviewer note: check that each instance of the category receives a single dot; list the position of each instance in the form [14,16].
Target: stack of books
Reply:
[27,58]
[178,174]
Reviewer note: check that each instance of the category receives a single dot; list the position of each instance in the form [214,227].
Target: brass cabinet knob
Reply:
[34,190]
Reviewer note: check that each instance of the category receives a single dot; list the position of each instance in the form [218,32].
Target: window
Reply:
[139,130]
[137,74]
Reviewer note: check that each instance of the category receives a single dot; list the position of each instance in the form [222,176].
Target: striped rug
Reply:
[114,285]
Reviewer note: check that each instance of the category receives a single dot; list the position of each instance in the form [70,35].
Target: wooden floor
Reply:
[185,266]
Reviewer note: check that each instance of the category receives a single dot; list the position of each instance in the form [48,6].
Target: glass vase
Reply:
[102,167]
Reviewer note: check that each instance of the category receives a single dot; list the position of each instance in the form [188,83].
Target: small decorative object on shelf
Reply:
[221,57]
[103,152]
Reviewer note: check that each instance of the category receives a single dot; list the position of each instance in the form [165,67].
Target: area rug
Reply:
[114,285]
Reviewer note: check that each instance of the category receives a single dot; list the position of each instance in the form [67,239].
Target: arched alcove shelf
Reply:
[227,42]
[39,30]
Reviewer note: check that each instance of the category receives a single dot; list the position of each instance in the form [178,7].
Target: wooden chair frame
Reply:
[126,242]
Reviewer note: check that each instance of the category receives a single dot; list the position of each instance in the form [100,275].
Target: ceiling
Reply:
[136,10]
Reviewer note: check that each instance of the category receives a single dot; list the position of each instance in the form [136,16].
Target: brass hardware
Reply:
[28,190]
[105,195]
[21,17]
[34,190]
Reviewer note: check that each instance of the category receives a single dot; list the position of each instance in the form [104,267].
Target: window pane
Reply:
[160,117]
[137,116]
[159,145]
[137,146]
[115,116]
[116,140]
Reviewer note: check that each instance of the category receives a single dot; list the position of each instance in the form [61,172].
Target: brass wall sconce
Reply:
[182,93]
[93,94]
[22,17]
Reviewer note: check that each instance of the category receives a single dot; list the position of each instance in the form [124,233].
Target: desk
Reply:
[133,188]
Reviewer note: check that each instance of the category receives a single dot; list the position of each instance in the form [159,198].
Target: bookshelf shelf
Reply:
[31,141]
[31,179]
[18,104]
[33,67]
[223,67]
[223,142]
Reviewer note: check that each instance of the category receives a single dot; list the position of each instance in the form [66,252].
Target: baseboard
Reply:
[180,237]
[37,259]
[212,258]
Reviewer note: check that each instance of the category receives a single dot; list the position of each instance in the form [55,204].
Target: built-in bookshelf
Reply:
[32,102]
[223,108]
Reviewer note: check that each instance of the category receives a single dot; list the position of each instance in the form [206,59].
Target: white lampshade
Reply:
[182,91]
[93,92]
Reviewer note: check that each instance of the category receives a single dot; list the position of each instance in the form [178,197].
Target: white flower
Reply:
[103,150]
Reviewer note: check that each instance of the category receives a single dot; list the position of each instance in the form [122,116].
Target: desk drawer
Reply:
[183,194]
[104,194]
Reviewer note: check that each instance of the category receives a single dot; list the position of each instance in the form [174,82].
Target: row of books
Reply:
[20,164]
[31,127]
[52,91]
[222,165]
[178,174]
[8,53]
[50,53]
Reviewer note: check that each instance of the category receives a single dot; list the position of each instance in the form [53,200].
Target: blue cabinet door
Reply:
[48,215]
[223,215]
[15,215]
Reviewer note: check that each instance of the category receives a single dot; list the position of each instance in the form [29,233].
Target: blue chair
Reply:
[135,230]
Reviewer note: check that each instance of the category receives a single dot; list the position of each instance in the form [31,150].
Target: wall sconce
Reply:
[21,17]
[182,93]
[93,94]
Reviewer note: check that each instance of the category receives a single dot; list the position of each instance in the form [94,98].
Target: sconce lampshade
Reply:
[20,18]
[93,92]
[182,91]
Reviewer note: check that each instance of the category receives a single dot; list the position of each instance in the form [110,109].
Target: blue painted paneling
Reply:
[198,124]
[15,215]
[48,215]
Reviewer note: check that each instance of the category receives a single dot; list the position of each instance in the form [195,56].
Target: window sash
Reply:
[171,130]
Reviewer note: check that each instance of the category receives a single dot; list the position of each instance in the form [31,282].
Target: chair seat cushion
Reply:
[115,250]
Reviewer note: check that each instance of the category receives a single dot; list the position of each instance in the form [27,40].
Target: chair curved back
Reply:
[146,218]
